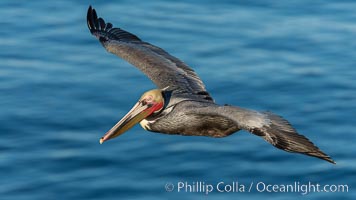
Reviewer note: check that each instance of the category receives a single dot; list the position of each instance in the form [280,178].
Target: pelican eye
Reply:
[143,102]
[146,103]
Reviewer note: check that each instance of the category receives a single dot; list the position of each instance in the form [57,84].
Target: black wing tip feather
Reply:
[105,31]
[322,155]
[94,23]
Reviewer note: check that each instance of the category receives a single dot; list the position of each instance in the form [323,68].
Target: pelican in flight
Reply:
[181,105]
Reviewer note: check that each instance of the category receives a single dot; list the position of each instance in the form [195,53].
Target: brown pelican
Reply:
[181,105]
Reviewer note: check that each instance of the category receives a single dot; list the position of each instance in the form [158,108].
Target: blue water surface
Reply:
[61,91]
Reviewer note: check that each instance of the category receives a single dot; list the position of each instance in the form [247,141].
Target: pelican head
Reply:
[150,102]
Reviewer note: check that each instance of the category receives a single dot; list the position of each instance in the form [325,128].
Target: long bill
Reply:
[134,116]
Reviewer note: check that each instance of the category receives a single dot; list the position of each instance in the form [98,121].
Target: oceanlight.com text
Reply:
[261,187]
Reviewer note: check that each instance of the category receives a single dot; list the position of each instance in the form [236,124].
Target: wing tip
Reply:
[321,155]
[89,18]
[282,135]
[330,160]
[96,26]
[105,31]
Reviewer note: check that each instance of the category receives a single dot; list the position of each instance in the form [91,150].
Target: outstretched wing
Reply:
[162,68]
[273,128]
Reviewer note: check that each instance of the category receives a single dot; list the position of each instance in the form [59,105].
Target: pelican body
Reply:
[181,105]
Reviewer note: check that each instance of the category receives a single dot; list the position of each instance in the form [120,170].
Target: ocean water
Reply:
[61,91]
